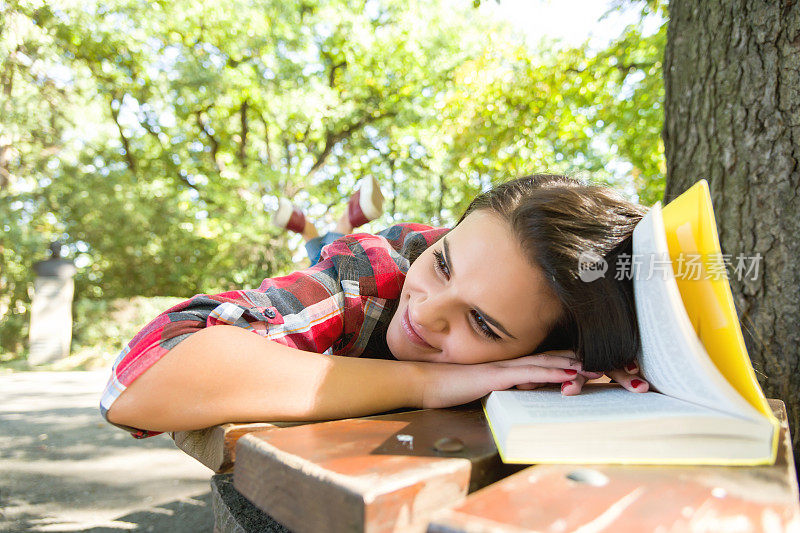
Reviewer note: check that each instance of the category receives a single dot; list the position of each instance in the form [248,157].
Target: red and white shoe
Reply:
[366,203]
[287,216]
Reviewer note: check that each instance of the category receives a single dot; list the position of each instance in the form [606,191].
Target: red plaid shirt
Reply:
[340,306]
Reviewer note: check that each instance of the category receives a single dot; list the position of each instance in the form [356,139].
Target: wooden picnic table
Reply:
[439,470]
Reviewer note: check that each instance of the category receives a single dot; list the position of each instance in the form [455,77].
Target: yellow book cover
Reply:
[691,232]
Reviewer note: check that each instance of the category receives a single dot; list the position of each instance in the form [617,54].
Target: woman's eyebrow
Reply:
[495,323]
[486,317]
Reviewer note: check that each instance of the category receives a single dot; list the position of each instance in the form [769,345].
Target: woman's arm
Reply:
[227,374]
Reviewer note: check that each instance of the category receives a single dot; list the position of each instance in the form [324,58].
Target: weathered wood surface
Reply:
[215,447]
[636,498]
[371,474]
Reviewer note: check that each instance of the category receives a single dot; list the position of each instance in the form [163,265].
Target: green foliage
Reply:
[36,110]
[152,137]
[631,70]
[562,110]
[103,327]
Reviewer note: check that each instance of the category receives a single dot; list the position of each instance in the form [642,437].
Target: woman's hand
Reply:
[445,384]
[628,377]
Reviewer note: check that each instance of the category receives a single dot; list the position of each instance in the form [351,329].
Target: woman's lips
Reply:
[412,333]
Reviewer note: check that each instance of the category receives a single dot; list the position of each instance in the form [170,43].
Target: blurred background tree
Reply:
[152,138]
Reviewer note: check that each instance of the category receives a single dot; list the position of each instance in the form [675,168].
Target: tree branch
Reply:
[214,142]
[626,67]
[175,169]
[442,189]
[243,134]
[5,158]
[635,66]
[392,164]
[288,153]
[334,138]
[266,139]
[7,79]
[149,129]
[332,73]
[126,145]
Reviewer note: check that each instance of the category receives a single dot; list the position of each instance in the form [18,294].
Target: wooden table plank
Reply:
[617,498]
[371,474]
[215,447]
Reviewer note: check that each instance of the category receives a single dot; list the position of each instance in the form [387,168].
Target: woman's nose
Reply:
[432,312]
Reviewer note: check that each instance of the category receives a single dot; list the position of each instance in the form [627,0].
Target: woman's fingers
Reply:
[514,376]
[569,354]
[554,359]
[632,382]
[561,366]
[573,386]
[528,386]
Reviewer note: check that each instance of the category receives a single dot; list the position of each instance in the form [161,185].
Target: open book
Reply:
[708,408]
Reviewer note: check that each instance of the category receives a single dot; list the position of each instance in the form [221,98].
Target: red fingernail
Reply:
[570,371]
[565,384]
[636,382]
[630,367]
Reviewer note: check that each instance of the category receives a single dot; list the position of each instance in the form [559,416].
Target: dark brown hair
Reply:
[558,221]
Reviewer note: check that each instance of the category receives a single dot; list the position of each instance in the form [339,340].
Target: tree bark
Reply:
[732,79]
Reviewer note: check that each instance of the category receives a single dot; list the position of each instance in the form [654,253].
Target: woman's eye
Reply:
[440,265]
[482,326]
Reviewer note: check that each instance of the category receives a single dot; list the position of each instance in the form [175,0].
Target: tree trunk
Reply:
[732,77]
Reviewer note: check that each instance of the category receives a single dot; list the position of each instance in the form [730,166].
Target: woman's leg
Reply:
[314,246]
[364,205]
[315,242]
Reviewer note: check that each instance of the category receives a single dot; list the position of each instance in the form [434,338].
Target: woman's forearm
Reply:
[227,374]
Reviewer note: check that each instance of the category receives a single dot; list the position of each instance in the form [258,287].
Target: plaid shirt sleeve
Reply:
[332,307]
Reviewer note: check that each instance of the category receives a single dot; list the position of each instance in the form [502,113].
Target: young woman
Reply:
[414,316]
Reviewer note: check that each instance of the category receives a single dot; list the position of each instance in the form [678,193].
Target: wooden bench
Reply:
[438,470]
[215,447]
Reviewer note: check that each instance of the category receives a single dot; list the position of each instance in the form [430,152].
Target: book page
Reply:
[608,424]
[595,402]
[673,360]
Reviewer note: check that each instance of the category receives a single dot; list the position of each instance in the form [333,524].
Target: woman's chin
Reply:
[395,347]
[402,351]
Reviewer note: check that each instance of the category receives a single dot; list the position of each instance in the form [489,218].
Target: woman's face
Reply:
[472,297]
